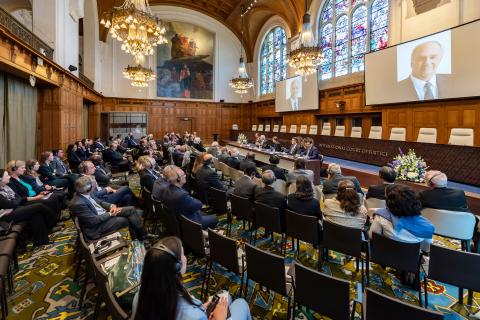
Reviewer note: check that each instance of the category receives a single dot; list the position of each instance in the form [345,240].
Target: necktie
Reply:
[428,91]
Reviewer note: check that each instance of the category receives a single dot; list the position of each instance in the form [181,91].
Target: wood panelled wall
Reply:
[443,115]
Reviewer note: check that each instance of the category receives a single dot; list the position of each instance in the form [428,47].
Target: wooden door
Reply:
[184,124]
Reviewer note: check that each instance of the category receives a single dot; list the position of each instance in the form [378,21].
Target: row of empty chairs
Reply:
[458,136]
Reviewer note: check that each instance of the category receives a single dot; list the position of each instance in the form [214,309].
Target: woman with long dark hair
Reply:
[302,200]
[163,296]
[346,208]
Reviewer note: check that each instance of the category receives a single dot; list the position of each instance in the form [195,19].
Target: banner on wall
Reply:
[185,64]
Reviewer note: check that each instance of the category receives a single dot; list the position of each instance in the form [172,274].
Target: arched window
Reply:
[273,60]
[347,30]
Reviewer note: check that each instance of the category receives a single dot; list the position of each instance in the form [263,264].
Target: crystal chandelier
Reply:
[138,74]
[306,57]
[242,82]
[134,24]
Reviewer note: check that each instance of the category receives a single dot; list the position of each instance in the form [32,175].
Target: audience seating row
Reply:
[458,136]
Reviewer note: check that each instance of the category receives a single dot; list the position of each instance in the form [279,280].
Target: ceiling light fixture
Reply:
[138,74]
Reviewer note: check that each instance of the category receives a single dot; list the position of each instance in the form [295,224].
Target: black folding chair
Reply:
[148,210]
[346,240]
[268,270]
[242,209]
[269,218]
[402,256]
[377,306]
[224,251]
[168,219]
[217,200]
[322,293]
[304,228]
[464,274]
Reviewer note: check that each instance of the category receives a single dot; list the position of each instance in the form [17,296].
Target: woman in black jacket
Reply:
[47,175]
[302,201]
[16,209]
[73,159]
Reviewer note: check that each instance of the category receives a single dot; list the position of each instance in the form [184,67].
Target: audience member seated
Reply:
[147,173]
[401,220]
[311,152]
[130,141]
[234,160]
[346,208]
[302,201]
[214,149]
[330,185]
[178,200]
[163,296]
[98,218]
[245,186]
[179,154]
[294,147]
[269,196]
[116,159]
[439,196]
[16,209]
[72,157]
[279,172]
[121,196]
[299,170]
[276,145]
[197,164]
[197,144]
[98,145]
[206,178]
[81,151]
[32,177]
[249,161]
[388,176]
[223,155]
[103,175]
[47,176]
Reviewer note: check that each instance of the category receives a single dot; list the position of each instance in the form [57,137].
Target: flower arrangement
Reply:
[409,167]
[242,138]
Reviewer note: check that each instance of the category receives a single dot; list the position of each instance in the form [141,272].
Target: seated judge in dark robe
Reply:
[279,172]
[388,176]
[302,201]
[440,196]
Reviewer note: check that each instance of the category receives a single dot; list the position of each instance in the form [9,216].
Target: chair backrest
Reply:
[452,224]
[241,207]
[217,199]
[455,267]
[168,219]
[192,236]
[326,129]
[356,132]
[254,127]
[280,186]
[342,239]
[313,129]
[147,202]
[260,127]
[267,128]
[400,255]
[223,250]
[283,128]
[234,126]
[267,217]
[427,135]
[371,203]
[225,169]
[302,227]
[303,129]
[276,127]
[461,137]
[235,174]
[340,131]
[375,132]
[398,134]
[377,305]
[333,300]
[216,164]
[266,268]
[293,128]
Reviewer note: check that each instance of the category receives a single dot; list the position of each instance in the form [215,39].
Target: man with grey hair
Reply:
[330,185]
[269,196]
[424,83]
[439,196]
[213,149]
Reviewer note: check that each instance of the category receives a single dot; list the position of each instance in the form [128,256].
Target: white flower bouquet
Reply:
[409,167]
[242,138]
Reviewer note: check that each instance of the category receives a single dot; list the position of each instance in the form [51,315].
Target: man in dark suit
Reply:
[178,200]
[388,176]
[299,169]
[276,145]
[206,178]
[439,196]
[269,196]
[295,147]
[223,155]
[130,140]
[245,187]
[249,161]
[330,185]
[98,145]
[98,217]
[311,152]
[234,159]
[274,161]
[116,158]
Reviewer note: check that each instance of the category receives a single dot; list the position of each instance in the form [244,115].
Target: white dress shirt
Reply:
[420,87]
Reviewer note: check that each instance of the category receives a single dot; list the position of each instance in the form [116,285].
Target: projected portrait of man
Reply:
[424,83]
[295,99]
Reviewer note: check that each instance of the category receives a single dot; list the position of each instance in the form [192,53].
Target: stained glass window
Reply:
[273,60]
[345,34]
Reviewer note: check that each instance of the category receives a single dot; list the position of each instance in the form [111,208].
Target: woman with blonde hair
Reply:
[146,170]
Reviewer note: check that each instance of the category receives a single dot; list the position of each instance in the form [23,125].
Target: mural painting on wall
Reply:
[185,64]
[416,7]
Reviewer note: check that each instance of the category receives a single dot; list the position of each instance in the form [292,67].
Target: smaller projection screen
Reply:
[297,94]
[444,65]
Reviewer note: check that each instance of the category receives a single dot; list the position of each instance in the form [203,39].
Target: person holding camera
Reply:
[163,296]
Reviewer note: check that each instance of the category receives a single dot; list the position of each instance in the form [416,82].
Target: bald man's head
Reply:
[207,159]
[426,58]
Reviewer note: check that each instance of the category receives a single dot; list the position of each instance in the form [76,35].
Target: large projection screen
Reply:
[444,65]
[297,94]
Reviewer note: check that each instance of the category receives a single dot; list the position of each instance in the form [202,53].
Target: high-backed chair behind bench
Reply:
[461,137]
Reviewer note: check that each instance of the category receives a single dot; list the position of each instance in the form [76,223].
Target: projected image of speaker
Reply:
[297,94]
